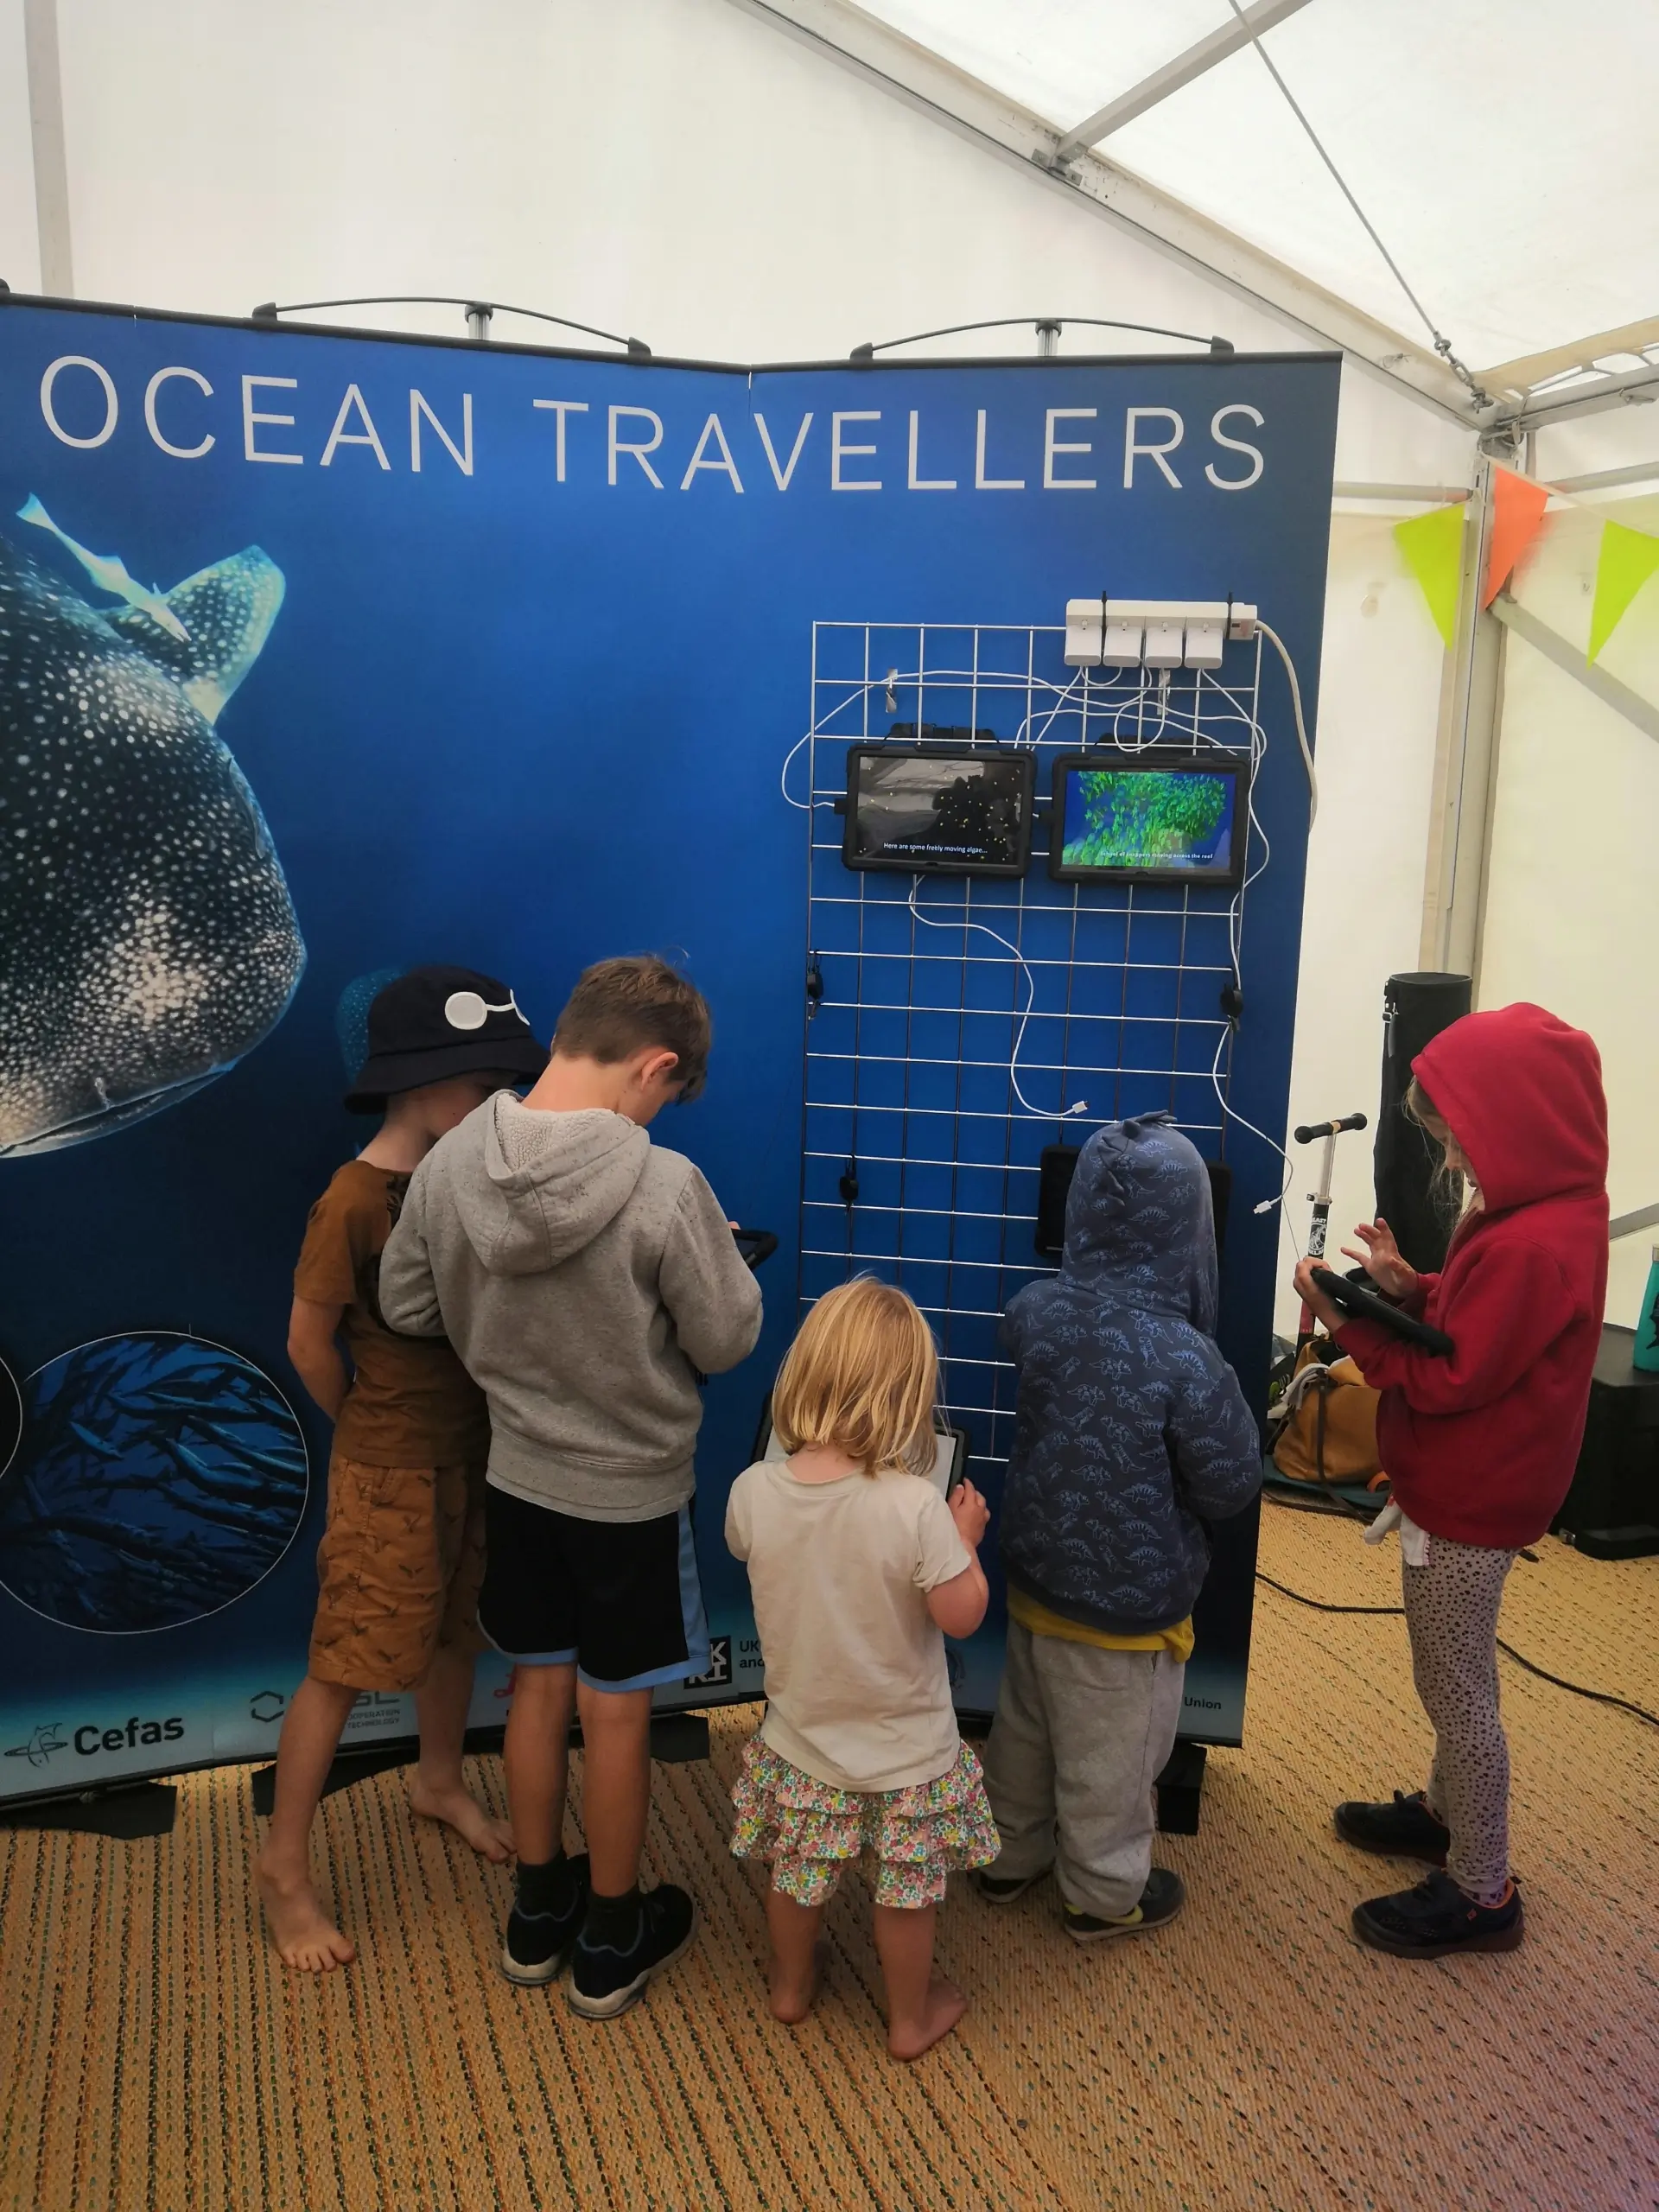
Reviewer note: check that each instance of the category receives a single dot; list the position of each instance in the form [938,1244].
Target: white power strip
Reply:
[1155,632]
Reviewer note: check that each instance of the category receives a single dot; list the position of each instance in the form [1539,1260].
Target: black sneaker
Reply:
[604,1982]
[1002,1889]
[1406,1829]
[1436,1918]
[1161,1902]
[539,1945]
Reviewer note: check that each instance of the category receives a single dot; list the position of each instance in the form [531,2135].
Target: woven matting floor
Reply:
[155,2057]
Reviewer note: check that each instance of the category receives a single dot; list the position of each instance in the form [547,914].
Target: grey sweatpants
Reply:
[1452,1606]
[1081,1735]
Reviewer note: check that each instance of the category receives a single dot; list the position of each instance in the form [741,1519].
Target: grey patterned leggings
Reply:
[1452,1607]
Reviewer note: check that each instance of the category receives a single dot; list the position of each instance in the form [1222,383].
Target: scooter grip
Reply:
[1309,1131]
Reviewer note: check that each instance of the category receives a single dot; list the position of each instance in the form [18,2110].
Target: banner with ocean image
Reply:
[323,655]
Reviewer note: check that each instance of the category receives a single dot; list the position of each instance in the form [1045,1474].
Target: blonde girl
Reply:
[860,1569]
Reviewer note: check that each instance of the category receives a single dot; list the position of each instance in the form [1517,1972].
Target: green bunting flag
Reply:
[1627,559]
[1432,546]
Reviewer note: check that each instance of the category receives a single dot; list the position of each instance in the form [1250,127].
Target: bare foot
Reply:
[462,1811]
[304,1936]
[944,2007]
[791,2004]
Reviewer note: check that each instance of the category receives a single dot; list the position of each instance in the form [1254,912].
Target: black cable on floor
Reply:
[1398,1612]
[1318,1604]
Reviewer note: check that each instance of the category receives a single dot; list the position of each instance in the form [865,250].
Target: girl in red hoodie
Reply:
[1480,1445]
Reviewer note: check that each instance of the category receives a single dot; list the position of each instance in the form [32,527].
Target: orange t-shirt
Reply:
[411,1403]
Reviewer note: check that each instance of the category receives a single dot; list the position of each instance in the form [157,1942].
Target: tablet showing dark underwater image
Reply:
[939,809]
[1126,818]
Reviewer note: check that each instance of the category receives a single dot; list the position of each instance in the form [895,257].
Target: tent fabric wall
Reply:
[1570,901]
[1362,919]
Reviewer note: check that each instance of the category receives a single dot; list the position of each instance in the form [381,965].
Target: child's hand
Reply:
[1329,1315]
[970,1513]
[1381,1259]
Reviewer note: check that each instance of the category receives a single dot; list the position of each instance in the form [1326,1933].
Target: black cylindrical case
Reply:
[1415,1008]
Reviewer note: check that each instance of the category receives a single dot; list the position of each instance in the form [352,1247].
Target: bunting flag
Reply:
[1627,559]
[1432,545]
[1518,506]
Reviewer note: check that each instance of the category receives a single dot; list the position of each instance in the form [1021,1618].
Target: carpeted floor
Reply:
[154,2057]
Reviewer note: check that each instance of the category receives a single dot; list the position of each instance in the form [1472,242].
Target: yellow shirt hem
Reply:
[1177,1639]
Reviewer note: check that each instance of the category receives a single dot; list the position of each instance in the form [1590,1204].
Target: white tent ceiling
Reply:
[1503,148]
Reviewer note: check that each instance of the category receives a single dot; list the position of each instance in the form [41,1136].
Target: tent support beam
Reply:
[46,135]
[1175,75]
[1636,388]
[1641,713]
[1465,763]
[897,66]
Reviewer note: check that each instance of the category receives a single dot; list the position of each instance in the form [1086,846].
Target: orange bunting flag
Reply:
[1517,516]
[1432,546]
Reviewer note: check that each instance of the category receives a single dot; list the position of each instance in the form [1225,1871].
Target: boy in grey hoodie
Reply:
[584,1276]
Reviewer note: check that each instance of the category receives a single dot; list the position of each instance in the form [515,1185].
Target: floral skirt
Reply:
[808,1832]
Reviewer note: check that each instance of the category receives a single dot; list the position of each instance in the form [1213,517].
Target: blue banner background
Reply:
[523,723]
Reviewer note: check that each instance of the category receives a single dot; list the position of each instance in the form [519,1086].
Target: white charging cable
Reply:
[1278,646]
[1060,1114]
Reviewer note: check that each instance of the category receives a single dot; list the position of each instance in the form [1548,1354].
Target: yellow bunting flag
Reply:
[1432,545]
[1627,559]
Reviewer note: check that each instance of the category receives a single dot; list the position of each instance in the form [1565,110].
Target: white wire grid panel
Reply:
[1112,995]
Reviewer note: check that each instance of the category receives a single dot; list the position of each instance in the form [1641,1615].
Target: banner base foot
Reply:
[1179,1789]
[147,1809]
[348,1767]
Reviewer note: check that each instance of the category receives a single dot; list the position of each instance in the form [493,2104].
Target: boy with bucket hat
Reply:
[402,1558]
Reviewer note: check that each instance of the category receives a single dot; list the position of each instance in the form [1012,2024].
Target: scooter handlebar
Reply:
[1310,1130]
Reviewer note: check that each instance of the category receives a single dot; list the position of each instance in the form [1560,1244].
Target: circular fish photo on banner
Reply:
[159,1478]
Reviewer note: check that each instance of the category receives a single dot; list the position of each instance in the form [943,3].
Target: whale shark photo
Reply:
[146,937]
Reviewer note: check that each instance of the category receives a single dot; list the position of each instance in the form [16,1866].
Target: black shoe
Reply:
[1406,1829]
[1002,1889]
[1436,1918]
[1161,1902]
[604,1982]
[539,1944]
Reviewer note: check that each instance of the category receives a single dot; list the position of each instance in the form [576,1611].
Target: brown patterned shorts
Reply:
[400,1565]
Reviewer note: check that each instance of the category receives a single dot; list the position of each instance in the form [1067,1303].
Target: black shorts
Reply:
[618,1599]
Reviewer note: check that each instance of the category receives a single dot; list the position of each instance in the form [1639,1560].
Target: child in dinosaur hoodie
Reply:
[1132,1431]
[1480,1443]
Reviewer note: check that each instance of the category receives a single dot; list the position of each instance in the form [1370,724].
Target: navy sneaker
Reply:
[606,1980]
[539,1945]
[1436,1919]
[1406,1829]
[1003,1889]
[1161,1902]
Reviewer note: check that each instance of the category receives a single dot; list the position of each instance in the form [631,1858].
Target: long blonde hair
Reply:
[862,1378]
[1454,1184]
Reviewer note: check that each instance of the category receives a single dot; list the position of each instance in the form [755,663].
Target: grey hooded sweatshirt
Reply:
[583,1274]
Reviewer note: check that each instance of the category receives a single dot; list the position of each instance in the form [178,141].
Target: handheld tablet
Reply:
[1363,1305]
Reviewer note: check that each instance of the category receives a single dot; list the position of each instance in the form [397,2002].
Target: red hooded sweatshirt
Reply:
[1481,1445]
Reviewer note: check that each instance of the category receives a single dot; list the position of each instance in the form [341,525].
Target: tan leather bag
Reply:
[1325,1425]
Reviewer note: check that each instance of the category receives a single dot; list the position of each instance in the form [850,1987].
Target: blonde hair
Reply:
[1454,1184]
[862,1378]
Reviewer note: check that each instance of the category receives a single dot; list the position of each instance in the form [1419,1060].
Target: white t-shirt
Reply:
[858,1695]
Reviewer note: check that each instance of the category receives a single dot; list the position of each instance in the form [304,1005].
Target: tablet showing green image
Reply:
[1123,817]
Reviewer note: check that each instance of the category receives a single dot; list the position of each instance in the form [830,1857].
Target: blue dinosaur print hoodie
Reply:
[1131,1429]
